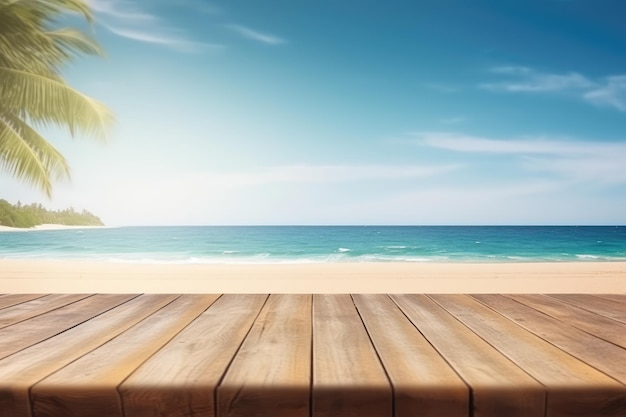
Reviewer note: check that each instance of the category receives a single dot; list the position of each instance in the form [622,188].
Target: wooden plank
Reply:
[423,382]
[8,300]
[36,307]
[600,326]
[27,333]
[88,386]
[608,308]
[270,375]
[499,387]
[348,378]
[600,354]
[573,387]
[20,371]
[181,378]
[620,298]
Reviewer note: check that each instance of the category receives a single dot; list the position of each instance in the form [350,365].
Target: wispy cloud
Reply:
[573,159]
[170,40]
[611,94]
[606,92]
[324,174]
[468,143]
[120,10]
[228,195]
[535,82]
[126,19]
[254,35]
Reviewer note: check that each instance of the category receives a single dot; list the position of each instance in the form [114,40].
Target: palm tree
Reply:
[33,94]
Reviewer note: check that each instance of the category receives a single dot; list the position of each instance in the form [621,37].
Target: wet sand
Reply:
[42,276]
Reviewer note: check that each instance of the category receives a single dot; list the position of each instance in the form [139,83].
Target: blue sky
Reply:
[352,112]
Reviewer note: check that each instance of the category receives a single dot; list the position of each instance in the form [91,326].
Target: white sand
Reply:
[44,227]
[39,276]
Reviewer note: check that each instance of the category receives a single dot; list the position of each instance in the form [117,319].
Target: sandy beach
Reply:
[39,276]
[45,227]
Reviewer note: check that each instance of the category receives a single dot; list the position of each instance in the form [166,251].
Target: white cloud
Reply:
[607,170]
[531,81]
[606,92]
[468,143]
[121,10]
[173,41]
[574,160]
[516,202]
[127,20]
[322,174]
[611,94]
[142,36]
[255,35]
[279,194]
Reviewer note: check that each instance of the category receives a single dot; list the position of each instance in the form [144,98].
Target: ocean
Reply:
[312,244]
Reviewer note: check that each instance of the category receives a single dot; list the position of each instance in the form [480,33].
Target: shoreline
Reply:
[47,226]
[69,276]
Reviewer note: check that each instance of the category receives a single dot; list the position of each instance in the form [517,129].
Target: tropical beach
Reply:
[313,209]
[45,226]
[314,259]
[39,276]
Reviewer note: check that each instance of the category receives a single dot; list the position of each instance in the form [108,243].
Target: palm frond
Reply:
[32,92]
[28,156]
[74,41]
[48,9]
[25,48]
[41,51]
[55,164]
[47,101]
[61,6]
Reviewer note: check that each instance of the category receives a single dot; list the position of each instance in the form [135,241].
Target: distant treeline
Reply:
[21,215]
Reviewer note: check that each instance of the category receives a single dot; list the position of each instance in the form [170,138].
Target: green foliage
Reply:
[32,92]
[20,215]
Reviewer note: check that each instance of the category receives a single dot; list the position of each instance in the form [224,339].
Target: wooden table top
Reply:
[375,355]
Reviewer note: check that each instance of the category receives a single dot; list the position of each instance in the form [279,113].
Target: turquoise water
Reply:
[300,244]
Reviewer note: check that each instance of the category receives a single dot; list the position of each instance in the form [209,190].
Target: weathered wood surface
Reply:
[499,387]
[313,355]
[8,300]
[348,378]
[270,373]
[36,307]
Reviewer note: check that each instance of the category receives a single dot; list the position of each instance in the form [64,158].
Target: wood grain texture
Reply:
[180,380]
[373,355]
[608,308]
[88,386]
[499,387]
[270,375]
[620,298]
[573,387]
[24,369]
[590,349]
[27,333]
[36,307]
[348,378]
[8,300]
[600,326]
[423,382]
